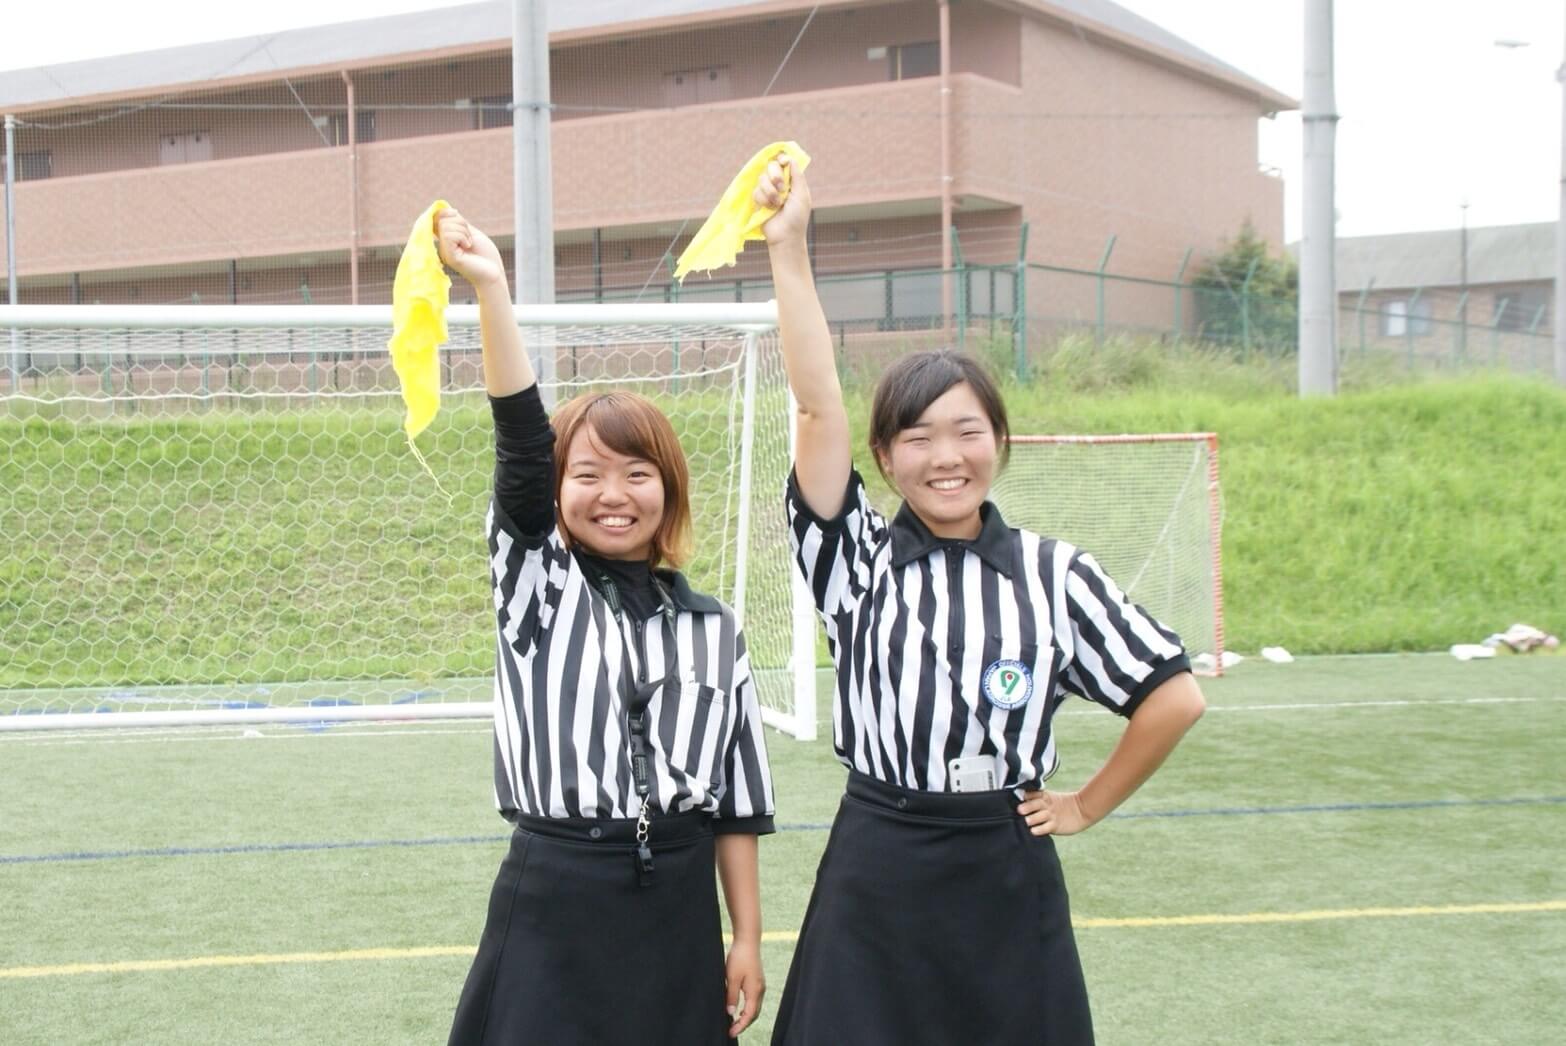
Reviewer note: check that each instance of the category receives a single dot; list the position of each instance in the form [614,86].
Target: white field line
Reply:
[226,733]
[444,726]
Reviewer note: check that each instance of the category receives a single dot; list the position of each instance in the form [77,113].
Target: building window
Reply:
[910,61]
[494,111]
[30,166]
[1405,316]
[1526,308]
[697,86]
[363,127]
[190,147]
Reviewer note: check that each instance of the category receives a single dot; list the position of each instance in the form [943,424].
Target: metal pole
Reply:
[955,247]
[598,263]
[1245,307]
[353,191]
[1533,337]
[946,163]
[531,186]
[1560,246]
[1408,325]
[1318,367]
[1462,301]
[1495,330]
[1359,314]
[1019,307]
[1179,289]
[746,472]
[1103,264]
[10,245]
[1462,327]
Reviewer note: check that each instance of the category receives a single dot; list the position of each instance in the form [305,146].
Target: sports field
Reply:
[1346,850]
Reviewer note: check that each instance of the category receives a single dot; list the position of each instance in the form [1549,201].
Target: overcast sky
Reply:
[1434,114]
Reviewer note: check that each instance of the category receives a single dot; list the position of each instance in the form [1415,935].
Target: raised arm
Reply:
[524,444]
[474,256]
[822,458]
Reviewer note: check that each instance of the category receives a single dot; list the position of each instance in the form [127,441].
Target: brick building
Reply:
[287,167]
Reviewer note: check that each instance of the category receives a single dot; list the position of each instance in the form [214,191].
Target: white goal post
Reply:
[1149,509]
[212,515]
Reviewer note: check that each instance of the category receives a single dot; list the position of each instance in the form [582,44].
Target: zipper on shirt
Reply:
[611,594]
[612,597]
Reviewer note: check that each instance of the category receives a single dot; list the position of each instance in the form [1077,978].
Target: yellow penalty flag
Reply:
[420,294]
[738,218]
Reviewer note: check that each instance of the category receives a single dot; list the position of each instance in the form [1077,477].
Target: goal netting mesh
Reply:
[217,512]
[1149,510]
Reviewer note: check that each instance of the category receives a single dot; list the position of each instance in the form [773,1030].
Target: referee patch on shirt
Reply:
[1007,684]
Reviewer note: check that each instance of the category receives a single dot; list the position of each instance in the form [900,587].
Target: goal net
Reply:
[212,514]
[1147,507]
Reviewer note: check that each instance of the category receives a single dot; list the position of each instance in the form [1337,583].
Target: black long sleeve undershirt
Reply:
[525,491]
[524,460]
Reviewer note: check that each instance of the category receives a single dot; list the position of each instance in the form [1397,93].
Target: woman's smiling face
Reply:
[944,463]
[610,503]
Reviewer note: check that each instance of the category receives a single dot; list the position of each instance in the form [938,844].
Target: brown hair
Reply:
[915,381]
[631,425]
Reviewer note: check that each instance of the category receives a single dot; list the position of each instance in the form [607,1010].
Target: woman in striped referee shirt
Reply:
[628,742]
[939,914]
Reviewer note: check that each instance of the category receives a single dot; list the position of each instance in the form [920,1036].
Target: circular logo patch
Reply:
[1007,684]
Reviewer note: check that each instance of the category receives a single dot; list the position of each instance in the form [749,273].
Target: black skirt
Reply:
[937,920]
[576,952]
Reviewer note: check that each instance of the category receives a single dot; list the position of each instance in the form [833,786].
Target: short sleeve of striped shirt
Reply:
[746,805]
[1121,653]
[528,574]
[835,555]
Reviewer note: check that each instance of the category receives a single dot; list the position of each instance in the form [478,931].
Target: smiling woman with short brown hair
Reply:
[628,742]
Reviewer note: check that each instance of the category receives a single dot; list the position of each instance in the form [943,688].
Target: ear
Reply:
[883,460]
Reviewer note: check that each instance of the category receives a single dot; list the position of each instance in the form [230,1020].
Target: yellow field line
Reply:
[1323,914]
[774,936]
[206,961]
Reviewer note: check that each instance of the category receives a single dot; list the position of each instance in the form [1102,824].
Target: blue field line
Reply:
[1333,808]
[469,840]
[248,848]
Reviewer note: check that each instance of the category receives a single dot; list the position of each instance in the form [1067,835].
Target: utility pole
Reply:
[1318,367]
[1560,243]
[531,187]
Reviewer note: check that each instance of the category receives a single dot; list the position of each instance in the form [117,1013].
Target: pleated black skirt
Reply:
[937,920]
[575,952]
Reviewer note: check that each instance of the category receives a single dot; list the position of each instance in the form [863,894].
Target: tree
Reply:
[1247,298]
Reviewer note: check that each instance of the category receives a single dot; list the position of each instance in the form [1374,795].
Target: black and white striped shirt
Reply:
[566,663]
[947,648]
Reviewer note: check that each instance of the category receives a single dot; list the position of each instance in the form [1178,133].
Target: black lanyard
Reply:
[637,719]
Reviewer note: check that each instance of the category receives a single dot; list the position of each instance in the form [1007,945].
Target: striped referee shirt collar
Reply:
[912,540]
[684,596]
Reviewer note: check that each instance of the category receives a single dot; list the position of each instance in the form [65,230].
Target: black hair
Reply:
[917,380]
